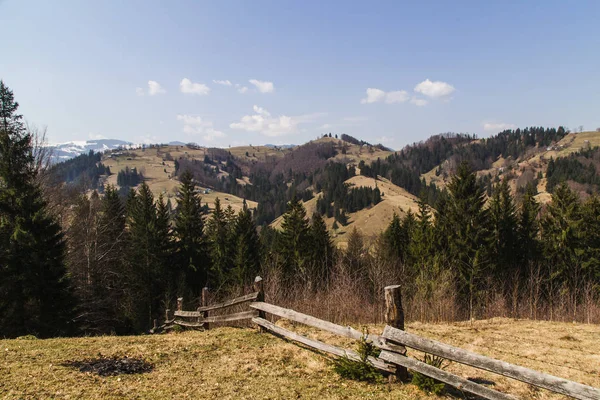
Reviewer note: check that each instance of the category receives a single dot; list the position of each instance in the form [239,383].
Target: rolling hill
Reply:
[268,176]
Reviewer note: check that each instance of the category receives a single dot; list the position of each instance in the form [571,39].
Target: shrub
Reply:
[361,370]
[426,383]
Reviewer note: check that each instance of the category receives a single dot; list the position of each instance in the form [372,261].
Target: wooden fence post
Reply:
[155,326]
[204,304]
[394,317]
[180,304]
[258,287]
[167,313]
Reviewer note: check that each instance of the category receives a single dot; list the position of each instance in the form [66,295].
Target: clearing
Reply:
[240,363]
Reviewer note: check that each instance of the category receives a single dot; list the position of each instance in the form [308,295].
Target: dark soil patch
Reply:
[111,366]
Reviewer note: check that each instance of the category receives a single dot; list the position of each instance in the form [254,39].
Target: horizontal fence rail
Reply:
[444,376]
[318,345]
[345,331]
[540,379]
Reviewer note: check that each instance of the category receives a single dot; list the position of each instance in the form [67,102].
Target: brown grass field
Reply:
[241,363]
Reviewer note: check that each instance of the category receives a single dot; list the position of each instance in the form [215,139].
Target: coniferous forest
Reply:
[111,263]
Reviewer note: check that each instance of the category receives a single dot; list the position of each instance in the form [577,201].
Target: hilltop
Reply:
[268,176]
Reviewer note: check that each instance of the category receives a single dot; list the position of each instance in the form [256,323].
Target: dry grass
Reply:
[369,221]
[242,363]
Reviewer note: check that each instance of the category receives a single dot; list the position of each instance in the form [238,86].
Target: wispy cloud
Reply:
[262,121]
[154,88]
[189,87]
[379,96]
[263,86]
[224,83]
[195,125]
[497,127]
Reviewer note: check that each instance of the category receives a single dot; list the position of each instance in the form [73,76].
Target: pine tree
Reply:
[322,251]
[146,261]
[528,229]
[295,240]
[35,292]
[470,239]
[561,236]
[353,257]
[220,247]
[247,248]
[505,250]
[189,232]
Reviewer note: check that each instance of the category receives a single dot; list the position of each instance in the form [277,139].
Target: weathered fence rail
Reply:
[200,317]
[393,359]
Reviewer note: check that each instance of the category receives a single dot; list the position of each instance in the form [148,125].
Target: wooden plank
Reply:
[345,331]
[540,379]
[443,376]
[188,324]
[229,303]
[218,318]
[231,317]
[188,314]
[318,345]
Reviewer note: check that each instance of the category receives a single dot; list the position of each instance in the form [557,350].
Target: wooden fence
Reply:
[393,360]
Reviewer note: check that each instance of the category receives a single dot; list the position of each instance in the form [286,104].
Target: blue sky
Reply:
[390,72]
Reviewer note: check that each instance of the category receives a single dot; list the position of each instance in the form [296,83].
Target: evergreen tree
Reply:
[354,254]
[247,248]
[35,292]
[504,226]
[189,233]
[295,240]
[322,251]
[528,229]
[563,247]
[146,261]
[220,248]
[470,239]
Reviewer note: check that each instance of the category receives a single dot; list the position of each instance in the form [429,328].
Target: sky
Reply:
[229,73]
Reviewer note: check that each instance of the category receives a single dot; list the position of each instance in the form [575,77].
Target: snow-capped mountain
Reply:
[68,150]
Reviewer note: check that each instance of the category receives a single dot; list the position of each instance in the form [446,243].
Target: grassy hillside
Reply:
[234,363]
[369,221]
[525,168]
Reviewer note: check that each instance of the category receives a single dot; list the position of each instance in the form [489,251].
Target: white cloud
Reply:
[154,88]
[355,119]
[242,89]
[325,126]
[434,89]
[378,95]
[418,102]
[373,96]
[497,127]
[194,125]
[224,83]
[262,121]
[263,86]
[399,96]
[139,91]
[189,87]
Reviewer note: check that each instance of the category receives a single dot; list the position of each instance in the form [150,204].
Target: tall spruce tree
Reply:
[295,240]
[247,248]
[191,250]
[563,246]
[322,251]
[35,292]
[146,261]
[470,238]
[220,246]
[504,226]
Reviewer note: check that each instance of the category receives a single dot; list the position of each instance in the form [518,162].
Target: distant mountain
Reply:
[68,150]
